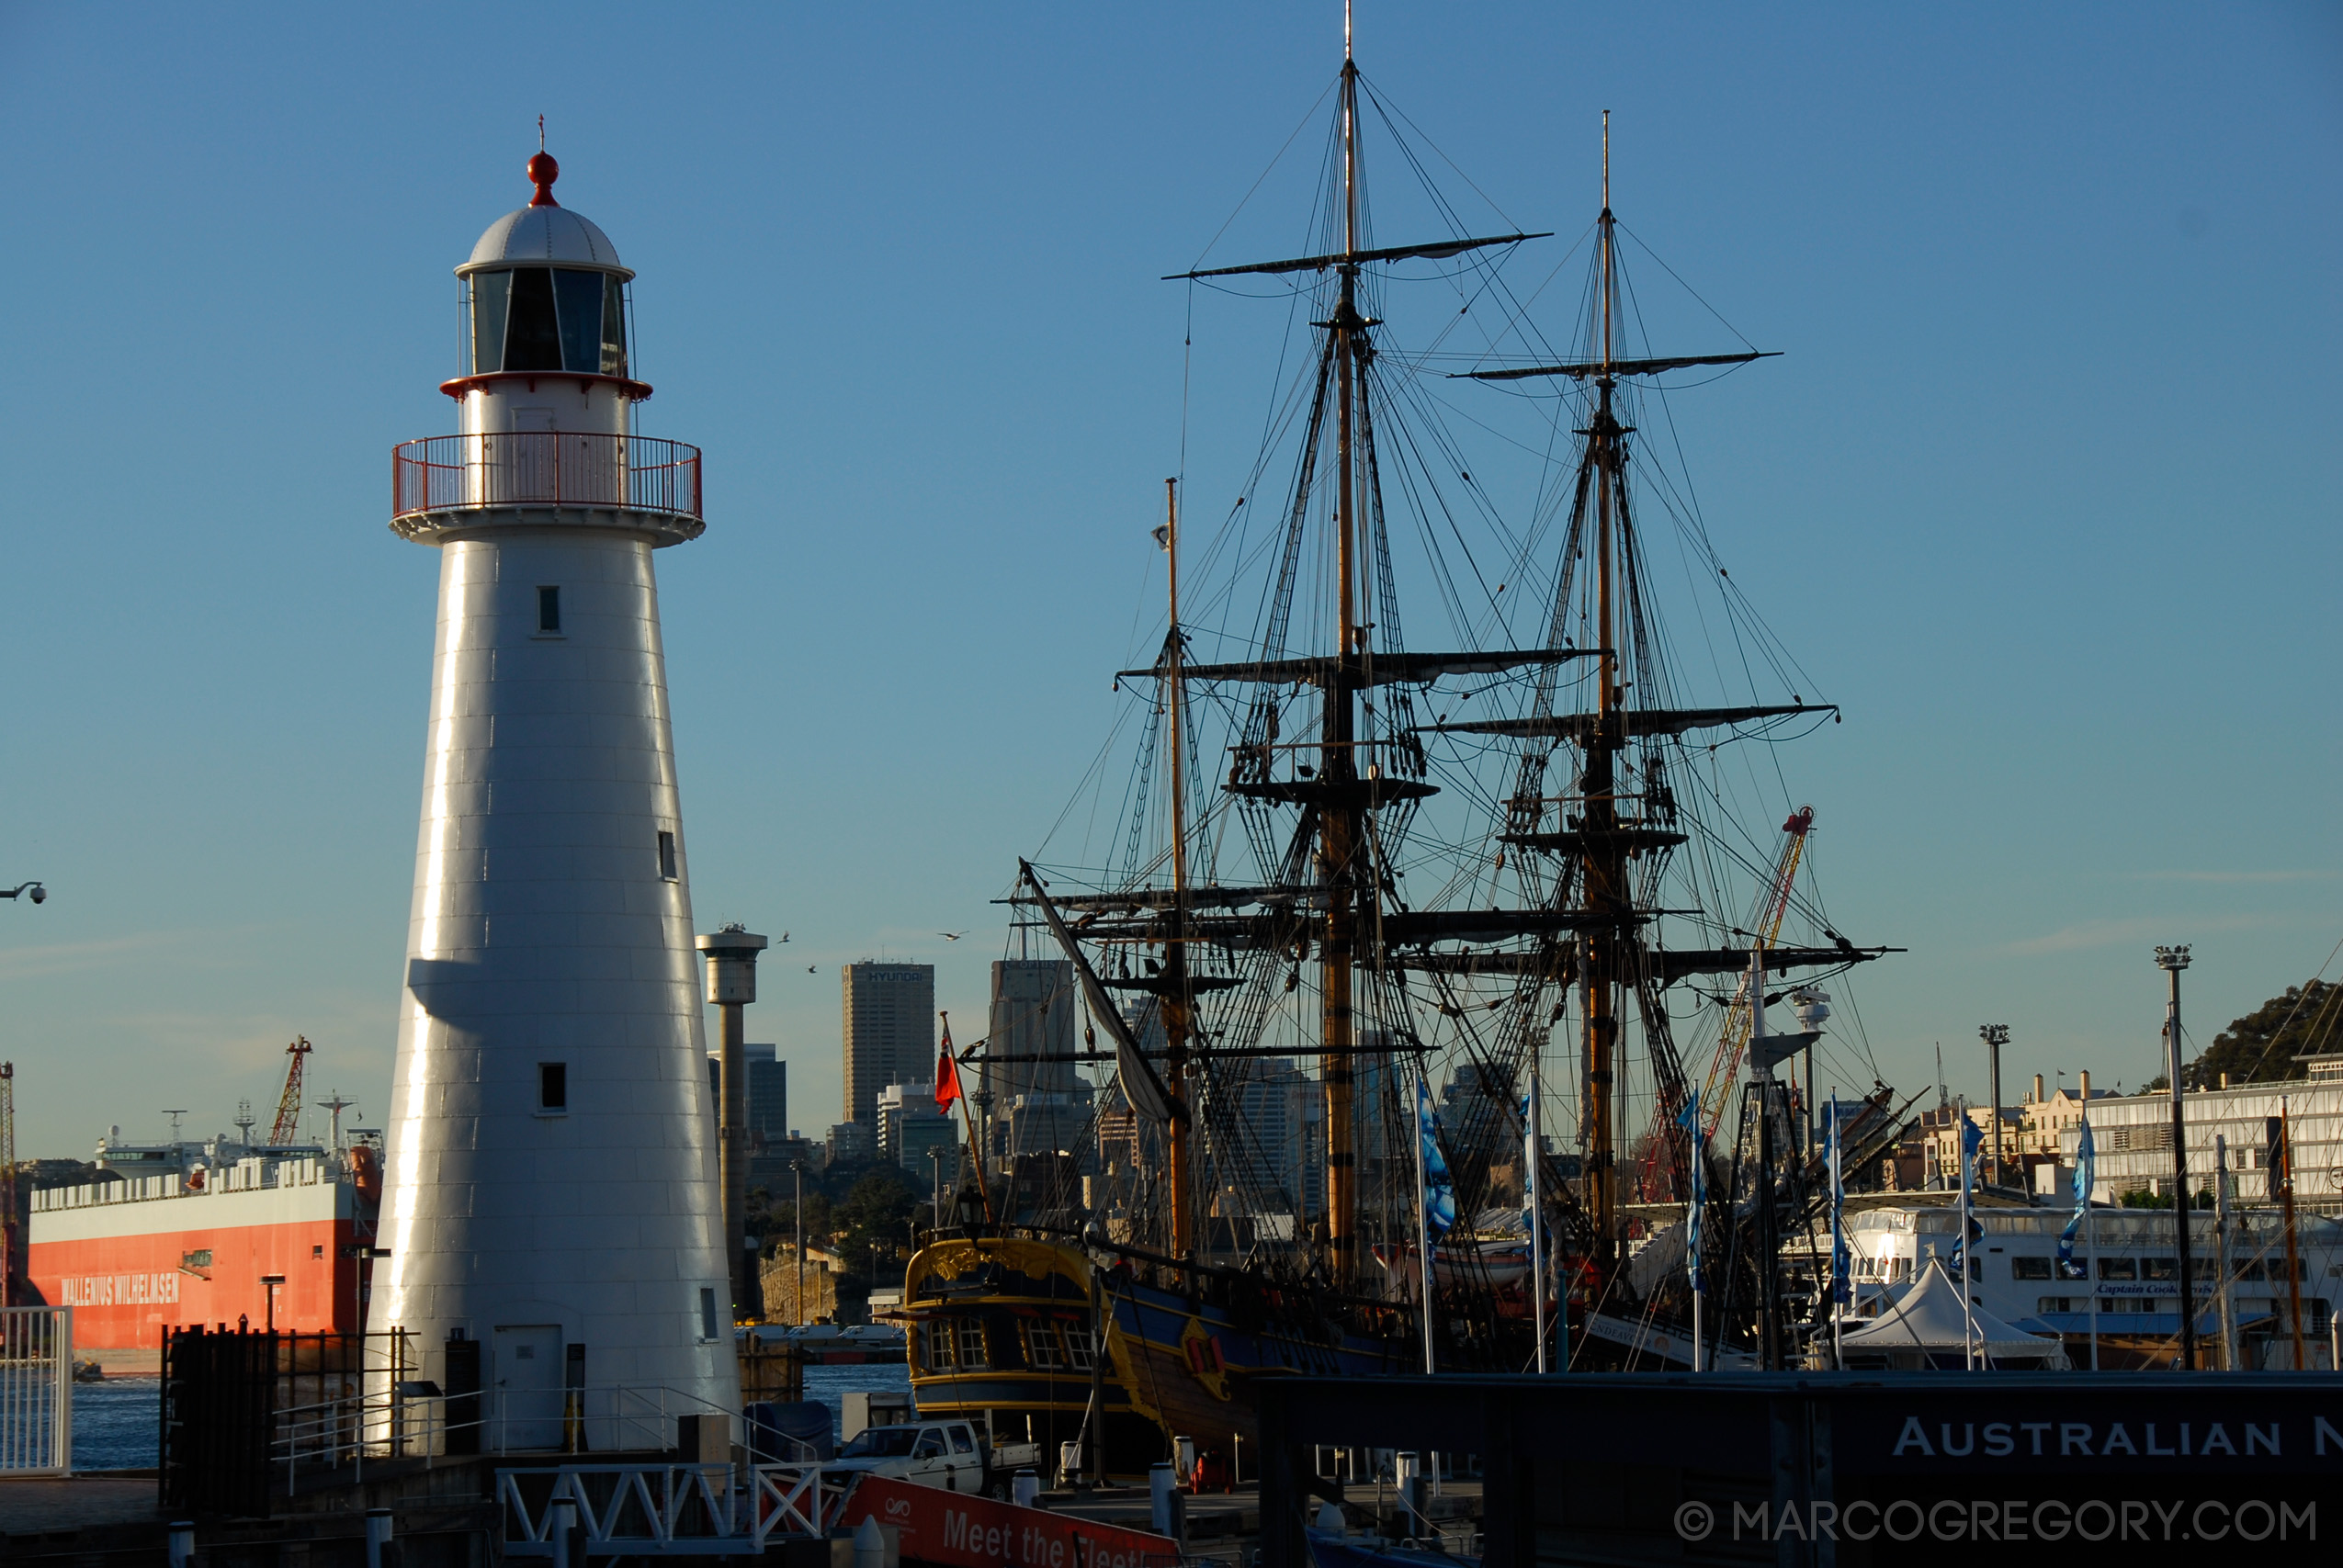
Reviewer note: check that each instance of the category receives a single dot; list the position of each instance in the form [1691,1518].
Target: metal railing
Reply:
[659,1510]
[545,467]
[382,1417]
[36,1391]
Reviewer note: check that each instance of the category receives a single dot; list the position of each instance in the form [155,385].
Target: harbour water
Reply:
[116,1422]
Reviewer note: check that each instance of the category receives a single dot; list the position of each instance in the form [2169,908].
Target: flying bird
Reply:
[810,969]
[951,936]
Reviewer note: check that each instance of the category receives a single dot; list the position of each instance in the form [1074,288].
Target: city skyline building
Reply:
[890,1030]
[1031,1027]
[909,1124]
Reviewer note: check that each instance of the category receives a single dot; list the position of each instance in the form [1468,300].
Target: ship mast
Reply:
[1340,840]
[1603,856]
[1177,1004]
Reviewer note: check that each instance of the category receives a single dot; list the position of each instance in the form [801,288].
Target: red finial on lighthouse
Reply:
[543,171]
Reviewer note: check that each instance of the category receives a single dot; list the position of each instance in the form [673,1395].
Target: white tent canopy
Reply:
[1930,1324]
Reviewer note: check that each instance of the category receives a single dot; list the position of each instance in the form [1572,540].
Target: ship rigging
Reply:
[1481,861]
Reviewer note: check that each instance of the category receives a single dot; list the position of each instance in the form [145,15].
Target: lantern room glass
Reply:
[538,318]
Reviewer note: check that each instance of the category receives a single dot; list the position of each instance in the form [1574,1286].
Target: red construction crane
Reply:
[1735,1038]
[289,1104]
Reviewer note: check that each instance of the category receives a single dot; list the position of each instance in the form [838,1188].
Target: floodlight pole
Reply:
[2172,960]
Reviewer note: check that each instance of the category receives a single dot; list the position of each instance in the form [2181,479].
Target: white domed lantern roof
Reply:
[544,292]
[544,233]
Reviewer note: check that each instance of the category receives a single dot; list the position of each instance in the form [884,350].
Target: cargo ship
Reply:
[221,1232]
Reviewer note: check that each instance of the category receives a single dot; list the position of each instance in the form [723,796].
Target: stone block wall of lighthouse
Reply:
[551,1188]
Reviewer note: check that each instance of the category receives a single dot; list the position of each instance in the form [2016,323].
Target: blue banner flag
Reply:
[1972,1136]
[1439,1187]
[1690,1119]
[2085,1177]
[1842,1284]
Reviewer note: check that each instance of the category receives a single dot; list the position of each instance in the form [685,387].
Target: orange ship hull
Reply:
[137,1266]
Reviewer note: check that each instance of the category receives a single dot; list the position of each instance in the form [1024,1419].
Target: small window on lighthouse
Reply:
[548,609]
[553,1086]
[667,856]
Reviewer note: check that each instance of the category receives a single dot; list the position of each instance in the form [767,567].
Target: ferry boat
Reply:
[2128,1258]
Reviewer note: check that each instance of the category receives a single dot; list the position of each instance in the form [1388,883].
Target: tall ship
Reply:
[273,1231]
[1422,964]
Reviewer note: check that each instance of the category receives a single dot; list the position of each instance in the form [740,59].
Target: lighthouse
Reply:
[552,1211]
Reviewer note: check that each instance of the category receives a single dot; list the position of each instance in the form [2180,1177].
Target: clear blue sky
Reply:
[2044,489]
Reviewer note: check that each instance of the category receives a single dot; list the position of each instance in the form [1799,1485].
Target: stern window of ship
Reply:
[937,1336]
[1041,1348]
[1078,1346]
[972,1345]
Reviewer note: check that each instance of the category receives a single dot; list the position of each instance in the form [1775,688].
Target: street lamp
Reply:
[797,1300]
[39,893]
[2172,960]
[1996,1035]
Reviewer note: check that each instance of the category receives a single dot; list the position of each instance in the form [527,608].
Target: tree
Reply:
[2261,1047]
[875,1213]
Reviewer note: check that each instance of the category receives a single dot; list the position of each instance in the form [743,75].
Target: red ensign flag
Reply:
[948,1073]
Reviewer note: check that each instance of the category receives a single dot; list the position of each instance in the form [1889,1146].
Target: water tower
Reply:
[551,1212]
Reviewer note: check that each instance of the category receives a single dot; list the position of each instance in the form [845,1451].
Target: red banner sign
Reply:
[952,1530]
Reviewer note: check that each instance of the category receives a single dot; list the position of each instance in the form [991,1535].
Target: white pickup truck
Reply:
[949,1454]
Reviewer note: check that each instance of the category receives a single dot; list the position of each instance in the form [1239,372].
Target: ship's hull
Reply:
[135,1267]
[1176,1364]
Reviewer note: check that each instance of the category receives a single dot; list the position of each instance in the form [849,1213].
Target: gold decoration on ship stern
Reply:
[1200,1353]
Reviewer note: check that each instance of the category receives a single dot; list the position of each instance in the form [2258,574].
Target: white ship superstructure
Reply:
[2128,1258]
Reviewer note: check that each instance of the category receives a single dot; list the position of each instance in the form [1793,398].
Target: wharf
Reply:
[113,1520]
[1218,1522]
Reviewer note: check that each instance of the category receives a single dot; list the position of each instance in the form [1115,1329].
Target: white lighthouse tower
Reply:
[552,1214]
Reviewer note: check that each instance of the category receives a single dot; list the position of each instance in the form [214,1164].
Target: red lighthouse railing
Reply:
[545,467]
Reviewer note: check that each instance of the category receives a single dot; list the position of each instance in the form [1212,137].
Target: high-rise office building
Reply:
[909,1124]
[1031,1029]
[768,1112]
[768,1092]
[1273,1147]
[1040,1104]
[891,1031]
